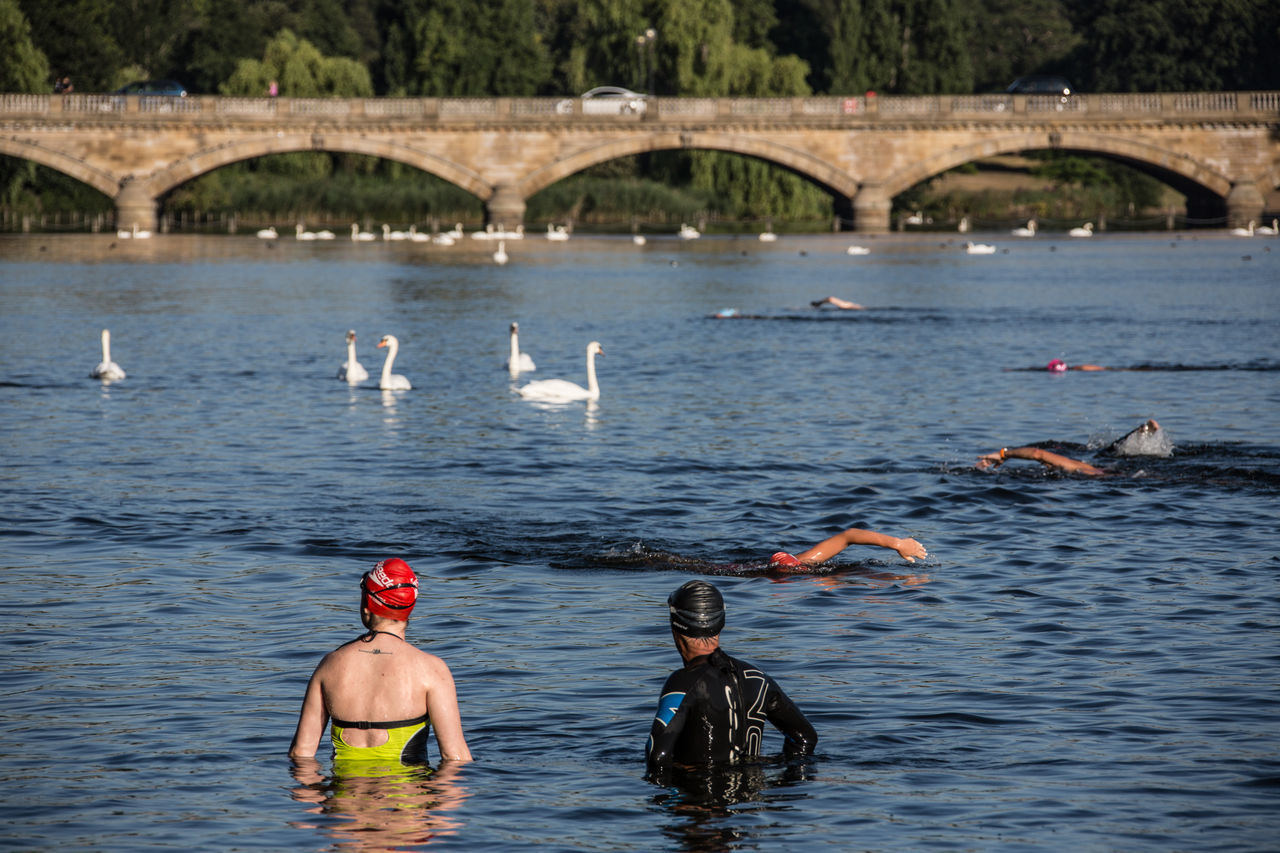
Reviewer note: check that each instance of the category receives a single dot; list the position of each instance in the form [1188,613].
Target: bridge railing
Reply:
[855,109]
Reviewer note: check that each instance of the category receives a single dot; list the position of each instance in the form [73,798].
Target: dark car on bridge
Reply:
[172,88]
[1041,84]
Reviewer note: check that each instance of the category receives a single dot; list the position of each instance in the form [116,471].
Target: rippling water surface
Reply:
[1080,663]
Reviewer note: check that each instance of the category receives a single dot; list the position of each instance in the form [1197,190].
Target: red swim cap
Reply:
[390,589]
[1056,366]
[782,558]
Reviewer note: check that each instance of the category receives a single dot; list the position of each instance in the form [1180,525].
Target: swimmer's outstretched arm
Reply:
[838,302]
[1038,454]
[908,549]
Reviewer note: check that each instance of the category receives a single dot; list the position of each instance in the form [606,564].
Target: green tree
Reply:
[1022,38]
[25,67]
[301,71]
[1177,45]
[77,37]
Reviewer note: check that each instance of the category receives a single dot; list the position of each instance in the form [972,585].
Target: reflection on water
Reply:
[382,809]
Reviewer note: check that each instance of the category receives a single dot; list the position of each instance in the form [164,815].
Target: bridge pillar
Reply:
[1244,204]
[871,206]
[505,207]
[135,206]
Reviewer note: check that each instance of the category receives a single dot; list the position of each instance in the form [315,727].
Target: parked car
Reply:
[607,100]
[1041,84]
[172,88]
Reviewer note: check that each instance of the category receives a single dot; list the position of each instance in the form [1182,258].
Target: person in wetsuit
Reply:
[380,693]
[715,707]
[1144,439]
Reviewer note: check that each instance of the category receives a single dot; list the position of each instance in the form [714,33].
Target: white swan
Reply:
[638,239]
[388,234]
[108,369]
[417,237]
[519,361]
[391,381]
[456,233]
[500,256]
[768,237]
[1244,232]
[299,234]
[562,391]
[557,233]
[1085,230]
[1268,230]
[1028,231]
[268,233]
[963,226]
[916,218]
[352,371]
[126,234]
[857,250]
[980,248]
[325,235]
[688,232]
[361,236]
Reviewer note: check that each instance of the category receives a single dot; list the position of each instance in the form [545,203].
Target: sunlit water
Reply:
[1080,664]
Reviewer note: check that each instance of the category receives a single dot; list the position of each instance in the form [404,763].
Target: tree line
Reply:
[563,47]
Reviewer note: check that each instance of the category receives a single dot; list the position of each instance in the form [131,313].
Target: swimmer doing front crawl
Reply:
[908,549]
[1143,440]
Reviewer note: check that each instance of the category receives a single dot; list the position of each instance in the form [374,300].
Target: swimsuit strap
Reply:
[368,638]
[390,724]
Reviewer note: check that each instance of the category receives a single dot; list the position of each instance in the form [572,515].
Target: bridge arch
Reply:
[291,143]
[799,162]
[1176,169]
[78,169]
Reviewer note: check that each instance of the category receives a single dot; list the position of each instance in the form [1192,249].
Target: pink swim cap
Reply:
[1057,366]
[782,558]
[390,589]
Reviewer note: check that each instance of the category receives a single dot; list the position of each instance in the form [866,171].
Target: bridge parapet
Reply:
[854,110]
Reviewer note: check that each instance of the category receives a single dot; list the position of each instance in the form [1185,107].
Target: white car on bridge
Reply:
[607,101]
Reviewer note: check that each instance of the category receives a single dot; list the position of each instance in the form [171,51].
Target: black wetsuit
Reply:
[715,708]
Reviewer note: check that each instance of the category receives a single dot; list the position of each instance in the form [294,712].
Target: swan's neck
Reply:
[106,347]
[593,387]
[391,357]
[351,353]
[515,350]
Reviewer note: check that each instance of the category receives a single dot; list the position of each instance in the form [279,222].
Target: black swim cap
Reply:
[697,610]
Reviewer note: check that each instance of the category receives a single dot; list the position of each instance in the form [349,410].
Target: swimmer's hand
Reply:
[909,549]
[990,460]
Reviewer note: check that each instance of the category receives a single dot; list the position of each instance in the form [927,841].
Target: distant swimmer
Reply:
[1147,439]
[1057,365]
[844,304]
[714,708]
[378,692]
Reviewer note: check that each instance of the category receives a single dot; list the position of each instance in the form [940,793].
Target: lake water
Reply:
[1080,663]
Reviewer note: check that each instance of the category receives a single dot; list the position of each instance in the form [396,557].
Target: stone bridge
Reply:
[1220,149]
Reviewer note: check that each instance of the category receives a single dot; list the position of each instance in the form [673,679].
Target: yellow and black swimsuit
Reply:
[406,741]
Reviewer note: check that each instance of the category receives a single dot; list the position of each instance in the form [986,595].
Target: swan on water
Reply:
[1028,231]
[1268,230]
[1244,232]
[857,250]
[563,391]
[980,248]
[638,239]
[916,218]
[299,234]
[963,226]
[107,369]
[500,256]
[325,235]
[388,234]
[391,381]
[557,233]
[361,236]
[418,237]
[352,371]
[456,233]
[1085,230]
[688,232]
[518,362]
[768,237]
[268,233]
[444,238]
